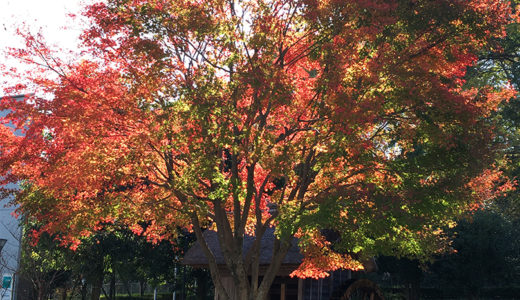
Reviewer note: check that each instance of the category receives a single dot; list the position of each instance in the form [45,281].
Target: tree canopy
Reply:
[496,67]
[311,116]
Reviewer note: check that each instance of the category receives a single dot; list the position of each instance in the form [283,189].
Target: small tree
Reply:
[111,252]
[44,264]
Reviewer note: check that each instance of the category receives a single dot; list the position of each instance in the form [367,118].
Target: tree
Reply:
[44,265]
[496,67]
[237,116]
[485,248]
[409,273]
[111,252]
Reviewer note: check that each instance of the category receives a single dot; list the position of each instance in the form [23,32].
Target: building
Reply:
[284,287]
[11,232]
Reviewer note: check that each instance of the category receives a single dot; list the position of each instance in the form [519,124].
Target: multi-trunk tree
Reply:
[348,116]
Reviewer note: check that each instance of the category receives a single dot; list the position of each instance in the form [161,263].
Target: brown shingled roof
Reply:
[195,256]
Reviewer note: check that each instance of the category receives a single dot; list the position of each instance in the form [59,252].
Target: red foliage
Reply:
[349,115]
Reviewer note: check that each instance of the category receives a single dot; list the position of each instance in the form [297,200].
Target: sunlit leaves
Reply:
[348,116]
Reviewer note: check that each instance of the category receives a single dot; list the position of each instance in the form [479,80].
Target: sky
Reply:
[48,15]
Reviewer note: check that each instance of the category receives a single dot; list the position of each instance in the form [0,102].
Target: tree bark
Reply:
[415,290]
[112,291]
[83,291]
[141,288]
[64,293]
[41,293]
[96,288]
[213,268]
[127,288]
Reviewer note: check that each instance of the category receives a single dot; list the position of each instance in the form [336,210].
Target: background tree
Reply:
[241,115]
[498,66]
[408,273]
[484,257]
[112,253]
[44,264]
[106,257]
[485,251]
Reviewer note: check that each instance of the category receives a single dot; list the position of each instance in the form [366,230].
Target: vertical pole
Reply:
[155,293]
[174,283]
[184,283]
[16,284]
[311,283]
[300,289]
[320,288]
[282,291]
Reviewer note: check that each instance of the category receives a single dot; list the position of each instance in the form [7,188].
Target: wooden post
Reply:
[282,291]
[300,289]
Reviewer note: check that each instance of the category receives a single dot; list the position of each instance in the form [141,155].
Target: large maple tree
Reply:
[310,116]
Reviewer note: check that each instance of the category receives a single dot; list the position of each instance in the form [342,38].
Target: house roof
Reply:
[195,256]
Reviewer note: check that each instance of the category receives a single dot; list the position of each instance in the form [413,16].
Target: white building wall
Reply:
[9,256]
[12,232]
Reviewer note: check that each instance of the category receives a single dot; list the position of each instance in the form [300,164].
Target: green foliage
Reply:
[113,252]
[486,249]
[499,66]
[44,264]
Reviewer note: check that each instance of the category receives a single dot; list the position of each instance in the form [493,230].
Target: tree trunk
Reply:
[41,293]
[230,236]
[40,288]
[415,291]
[240,287]
[141,288]
[112,291]
[96,288]
[83,291]
[64,293]
[73,290]
[127,288]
